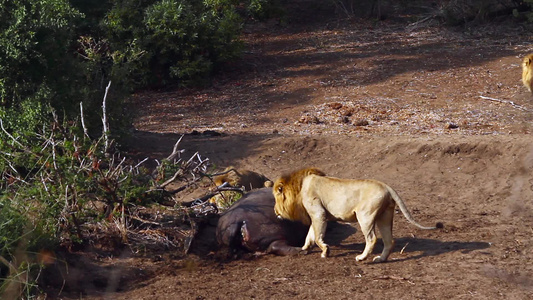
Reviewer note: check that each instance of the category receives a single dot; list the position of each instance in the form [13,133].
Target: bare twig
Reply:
[114,171]
[53,145]
[175,150]
[85,132]
[171,179]
[387,277]
[9,135]
[520,107]
[145,221]
[9,163]
[140,163]
[204,198]
[401,252]
[104,119]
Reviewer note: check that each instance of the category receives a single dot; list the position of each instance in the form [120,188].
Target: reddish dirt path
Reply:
[359,100]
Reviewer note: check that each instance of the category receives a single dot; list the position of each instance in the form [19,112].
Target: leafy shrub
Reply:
[529,13]
[264,9]
[58,187]
[40,67]
[34,38]
[53,184]
[157,42]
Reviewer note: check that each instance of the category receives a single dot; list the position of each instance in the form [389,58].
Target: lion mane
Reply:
[287,193]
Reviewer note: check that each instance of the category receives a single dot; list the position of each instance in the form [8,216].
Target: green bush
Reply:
[55,54]
[53,184]
[35,37]
[160,42]
[264,9]
[529,13]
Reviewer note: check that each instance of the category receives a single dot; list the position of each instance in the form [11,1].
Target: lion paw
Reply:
[379,259]
[325,252]
[360,257]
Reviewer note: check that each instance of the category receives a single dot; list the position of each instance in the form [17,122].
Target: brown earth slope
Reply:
[438,113]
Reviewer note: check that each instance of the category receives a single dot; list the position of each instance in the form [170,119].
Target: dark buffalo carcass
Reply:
[251,224]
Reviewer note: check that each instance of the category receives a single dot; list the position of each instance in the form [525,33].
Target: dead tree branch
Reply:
[520,107]
[85,132]
[175,151]
[104,119]
[9,135]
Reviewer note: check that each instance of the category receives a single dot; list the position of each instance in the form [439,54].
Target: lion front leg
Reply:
[309,240]
[317,213]
[320,227]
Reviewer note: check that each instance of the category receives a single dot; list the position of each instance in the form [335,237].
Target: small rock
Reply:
[347,111]
[451,126]
[335,105]
[343,119]
[360,122]
[309,119]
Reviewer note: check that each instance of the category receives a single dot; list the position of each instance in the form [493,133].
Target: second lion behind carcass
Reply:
[310,197]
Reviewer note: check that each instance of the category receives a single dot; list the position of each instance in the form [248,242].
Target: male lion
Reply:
[311,197]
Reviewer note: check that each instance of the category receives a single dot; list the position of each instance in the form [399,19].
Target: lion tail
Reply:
[406,211]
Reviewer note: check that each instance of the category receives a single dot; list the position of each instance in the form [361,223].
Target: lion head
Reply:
[287,193]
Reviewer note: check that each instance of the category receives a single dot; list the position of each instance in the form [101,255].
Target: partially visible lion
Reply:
[242,178]
[312,198]
[237,178]
[527,72]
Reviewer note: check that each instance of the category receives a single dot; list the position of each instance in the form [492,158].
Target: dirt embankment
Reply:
[437,113]
[480,187]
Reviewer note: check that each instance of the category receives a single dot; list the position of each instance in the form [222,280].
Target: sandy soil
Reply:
[438,113]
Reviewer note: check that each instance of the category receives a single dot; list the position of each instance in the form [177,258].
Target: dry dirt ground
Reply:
[438,113]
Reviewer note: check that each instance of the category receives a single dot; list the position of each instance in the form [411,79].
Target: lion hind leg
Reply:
[384,223]
[367,224]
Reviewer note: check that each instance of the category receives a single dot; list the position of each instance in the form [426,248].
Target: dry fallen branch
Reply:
[175,151]
[401,252]
[391,277]
[520,107]
[194,166]
[178,173]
